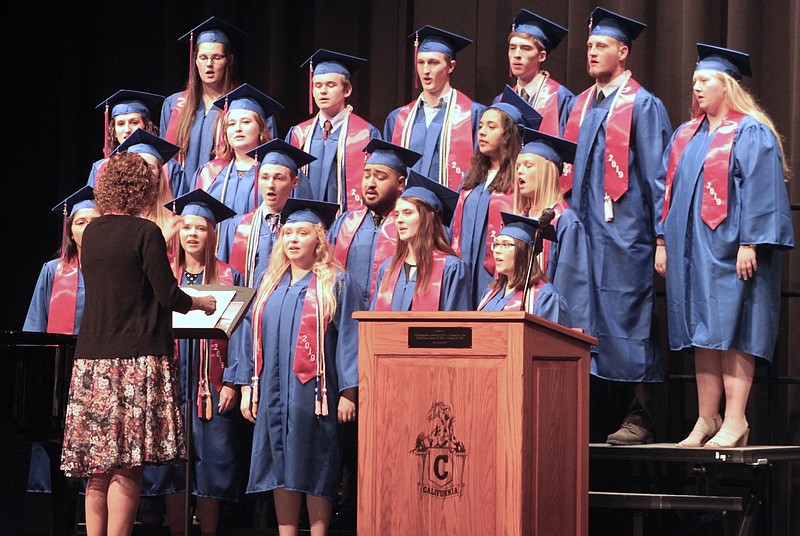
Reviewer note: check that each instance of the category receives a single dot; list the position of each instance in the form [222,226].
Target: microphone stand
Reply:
[544,220]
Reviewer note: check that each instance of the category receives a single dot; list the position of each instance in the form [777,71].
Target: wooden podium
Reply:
[472,424]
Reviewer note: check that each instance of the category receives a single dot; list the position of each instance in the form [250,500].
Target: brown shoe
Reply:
[630,434]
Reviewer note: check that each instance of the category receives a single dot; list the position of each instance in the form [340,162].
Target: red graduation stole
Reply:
[546,103]
[618,135]
[499,202]
[455,142]
[349,154]
[241,247]
[387,239]
[420,302]
[309,354]
[63,298]
[714,208]
[174,118]
[209,173]
[213,357]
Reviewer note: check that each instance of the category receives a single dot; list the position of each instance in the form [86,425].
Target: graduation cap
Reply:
[441,198]
[213,30]
[388,154]
[128,101]
[83,198]
[731,62]
[518,109]
[433,39]
[246,97]
[557,150]
[546,32]
[326,62]
[281,153]
[142,141]
[200,203]
[308,210]
[527,230]
[623,29]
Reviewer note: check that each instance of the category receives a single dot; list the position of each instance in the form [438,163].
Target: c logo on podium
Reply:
[441,456]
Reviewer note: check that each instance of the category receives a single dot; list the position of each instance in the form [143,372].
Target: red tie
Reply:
[326,129]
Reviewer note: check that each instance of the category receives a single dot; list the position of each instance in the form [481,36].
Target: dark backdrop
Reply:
[61,61]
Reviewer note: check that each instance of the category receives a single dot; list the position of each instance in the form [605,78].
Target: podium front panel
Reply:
[449,437]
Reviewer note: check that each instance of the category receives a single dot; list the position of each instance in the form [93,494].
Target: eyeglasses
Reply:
[214,58]
[502,247]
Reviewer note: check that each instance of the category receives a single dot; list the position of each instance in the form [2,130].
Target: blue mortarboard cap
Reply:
[605,22]
[127,101]
[246,97]
[328,61]
[83,198]
[557,150]
[433,39]
[214,30]
[298,210]
[391,155]
[524,228]
[441,198]
[731,62]
[518,109]
[281,153]
[548,33]
[142,141]
[200,203]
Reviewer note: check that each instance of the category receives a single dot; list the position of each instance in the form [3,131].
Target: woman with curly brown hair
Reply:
[488,187]
[123,409]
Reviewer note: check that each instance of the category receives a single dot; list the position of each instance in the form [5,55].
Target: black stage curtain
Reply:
[61,60]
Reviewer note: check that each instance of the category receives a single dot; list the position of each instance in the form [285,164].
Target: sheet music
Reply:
[199,319]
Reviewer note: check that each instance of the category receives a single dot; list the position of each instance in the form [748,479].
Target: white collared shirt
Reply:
[431,111]
[611,87]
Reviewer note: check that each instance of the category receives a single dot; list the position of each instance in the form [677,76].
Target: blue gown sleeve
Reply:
[178,182]
[570,271]
[36,319]
[349,301]
[551,306]
[244,348]
[166,112]
[333,232]
[235,344]
[388,125]
[765,216]
[272,127]
[455,286]
[226,239]
[653,131]
[378,278]
[374,133]
[303,189]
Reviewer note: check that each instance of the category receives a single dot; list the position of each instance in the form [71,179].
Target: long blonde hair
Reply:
[225,151]
[740,100]
[158,213]
[325,268]
[547,192]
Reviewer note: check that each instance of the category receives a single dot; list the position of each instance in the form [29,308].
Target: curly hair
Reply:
[509,149]
[127,184]
[111,134]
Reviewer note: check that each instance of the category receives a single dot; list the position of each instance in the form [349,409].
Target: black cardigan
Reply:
[130,290]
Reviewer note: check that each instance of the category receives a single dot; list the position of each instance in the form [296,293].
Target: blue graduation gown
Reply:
[178,181]
[623,250]
[474,228]
[708,305]
[292,448]
[322,171]
[219,446]
[36,320]
[455,295]
[361,255]
[425,139]
[264,249]
[569,269]
[549,304]
[39,308]
[565,101]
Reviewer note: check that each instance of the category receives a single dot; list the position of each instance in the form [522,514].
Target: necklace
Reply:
[190,277]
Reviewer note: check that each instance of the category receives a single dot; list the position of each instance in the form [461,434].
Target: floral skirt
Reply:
[122,412]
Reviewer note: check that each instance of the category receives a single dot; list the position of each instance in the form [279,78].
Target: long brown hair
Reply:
[509,149]
[147,124]
[210,275]
[194,98]
[522,256]
[430,236]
